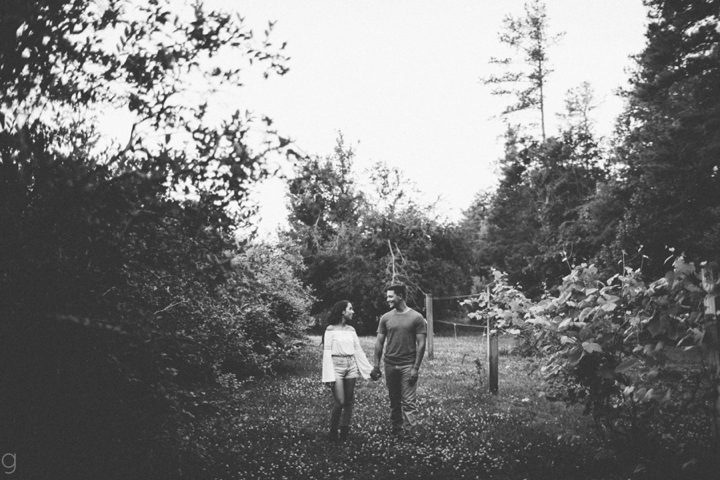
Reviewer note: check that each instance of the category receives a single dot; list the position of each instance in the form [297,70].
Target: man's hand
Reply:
[413,375]
[375,374]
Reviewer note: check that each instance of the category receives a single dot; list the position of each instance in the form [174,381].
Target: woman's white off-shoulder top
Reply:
[343,342]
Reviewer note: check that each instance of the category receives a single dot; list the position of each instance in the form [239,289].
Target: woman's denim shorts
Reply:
[345,366]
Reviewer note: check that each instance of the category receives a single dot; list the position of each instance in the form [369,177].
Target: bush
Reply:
[117,300]
[113,320]
[608,342]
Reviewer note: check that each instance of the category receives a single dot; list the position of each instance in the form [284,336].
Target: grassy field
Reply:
[280,428]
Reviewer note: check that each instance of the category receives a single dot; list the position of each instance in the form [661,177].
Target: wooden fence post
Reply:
[492,348]
[430,332]
[492,352]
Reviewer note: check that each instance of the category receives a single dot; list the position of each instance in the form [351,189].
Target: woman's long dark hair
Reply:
[335,316]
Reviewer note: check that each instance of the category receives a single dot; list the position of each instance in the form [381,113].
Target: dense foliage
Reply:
[567,200]
[669,149]
[356,243]
[537,221]
[587,230]
[607,339]
[126,301]
[637,355]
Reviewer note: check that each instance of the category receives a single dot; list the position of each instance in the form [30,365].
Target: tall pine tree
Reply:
[524,77]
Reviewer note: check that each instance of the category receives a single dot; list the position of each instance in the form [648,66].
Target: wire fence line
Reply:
[455,325]
[460,324]
[457,296]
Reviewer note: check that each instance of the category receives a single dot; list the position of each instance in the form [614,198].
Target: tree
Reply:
[527,35]
[325,211]
[579,104]
[670,135]
[356,244]
[323,195]
[537,226]
[77,57]
[117,275]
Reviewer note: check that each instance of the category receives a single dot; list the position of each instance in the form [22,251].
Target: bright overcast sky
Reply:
[400,80]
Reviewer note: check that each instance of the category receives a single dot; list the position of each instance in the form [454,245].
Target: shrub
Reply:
[115,296]
[607,341]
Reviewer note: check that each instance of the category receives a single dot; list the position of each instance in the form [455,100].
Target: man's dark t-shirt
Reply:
[400,330]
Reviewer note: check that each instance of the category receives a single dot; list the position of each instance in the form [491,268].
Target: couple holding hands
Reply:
[401,336]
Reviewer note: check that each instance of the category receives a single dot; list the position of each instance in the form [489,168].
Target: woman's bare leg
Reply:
[349,387]
[338,403]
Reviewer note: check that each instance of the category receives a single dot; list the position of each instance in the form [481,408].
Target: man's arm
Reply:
[379,346]
[419,354]
[420,347]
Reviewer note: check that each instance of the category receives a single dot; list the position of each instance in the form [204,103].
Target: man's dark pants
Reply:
[403,398]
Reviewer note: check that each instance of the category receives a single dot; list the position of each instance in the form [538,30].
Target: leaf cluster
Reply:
[502,306]
[607,341]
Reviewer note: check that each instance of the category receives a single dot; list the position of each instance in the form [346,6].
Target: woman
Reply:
[343,360]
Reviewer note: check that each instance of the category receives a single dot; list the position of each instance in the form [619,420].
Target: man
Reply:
[405,331]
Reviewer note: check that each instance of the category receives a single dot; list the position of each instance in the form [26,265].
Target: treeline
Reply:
[650,191]
[357,238]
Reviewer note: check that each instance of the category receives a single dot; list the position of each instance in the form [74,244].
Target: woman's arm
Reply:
[361,359]
[328,370]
